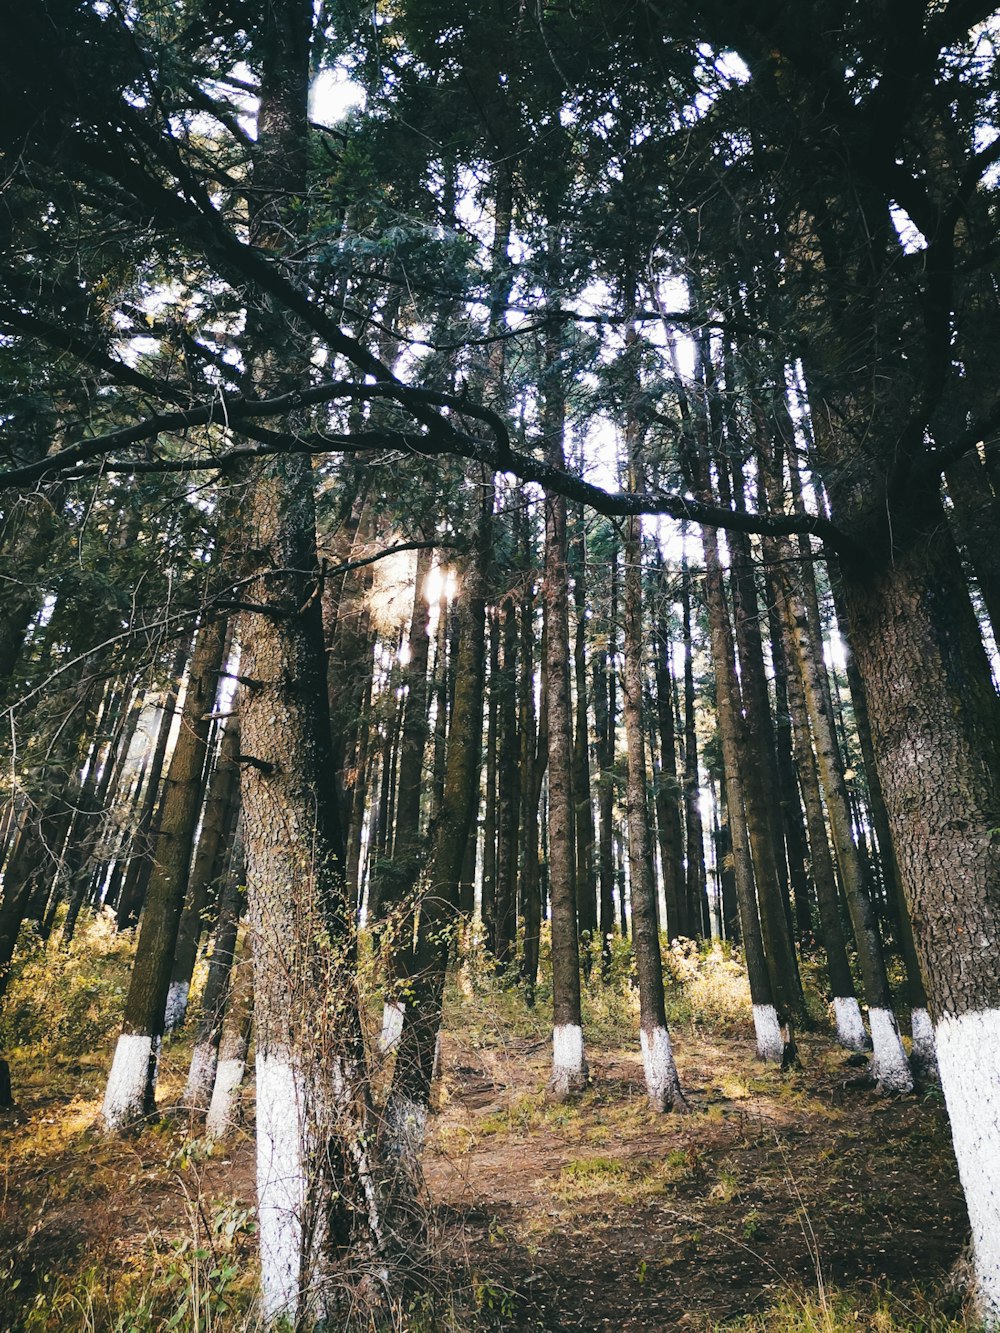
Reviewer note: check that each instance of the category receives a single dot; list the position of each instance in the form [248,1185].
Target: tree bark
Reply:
[131,1087]
[569,1068]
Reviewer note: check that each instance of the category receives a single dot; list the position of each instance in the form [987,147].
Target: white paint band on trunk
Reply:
[201,1077]
[392,1025]
[569,1067]
[222,1110]
[175,1011]
[770,1042]
[968,1055]
[923,1057]
[567,1048]
[850,1025]
[407,1129]
[125,1095]
[890,1067]
[281,1187]
[662,1083]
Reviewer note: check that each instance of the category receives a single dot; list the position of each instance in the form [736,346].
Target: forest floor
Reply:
[802,1201]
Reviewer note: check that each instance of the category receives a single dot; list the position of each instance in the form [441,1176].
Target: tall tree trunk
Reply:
[489,862]
[847,1014]
[662,1084]
[770,988]
[230,1069]
[606,723]
[216,825]
[668,790]
[204,1057]
[533,761]
[396,904]
[131,1087]
[694,840]
[405,1113]
[936,727]
[569,1067]
[508,789]
[586,880]
[890,1067]
[140,862]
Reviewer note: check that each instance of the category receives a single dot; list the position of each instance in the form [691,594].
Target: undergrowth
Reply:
[198,1271]
[864,1311]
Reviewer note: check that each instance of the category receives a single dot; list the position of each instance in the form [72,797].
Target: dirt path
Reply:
[601,1215]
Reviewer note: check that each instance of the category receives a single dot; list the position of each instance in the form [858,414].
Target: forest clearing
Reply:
[805,1197]
[499,665]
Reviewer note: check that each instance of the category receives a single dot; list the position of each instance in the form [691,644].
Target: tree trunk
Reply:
[936,727]
[586,880]
[606,722]
[662,1084]
[694,841]
[569,1068]
[223,1112]
[216,826]
[204,1057]
[772,1004]
[140,863]
[131,1087]
[508,790]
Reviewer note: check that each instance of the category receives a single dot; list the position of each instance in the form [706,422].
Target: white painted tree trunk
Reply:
[890,1067]
[125,1094]
[224,1108]
[851,1032]
[923,1056]
[770,1039]
[663,1086]
[403,1135]
[175,1011]
[201,1077]
[282,1187]
[968,1055]
[569,1064]
[392,1025]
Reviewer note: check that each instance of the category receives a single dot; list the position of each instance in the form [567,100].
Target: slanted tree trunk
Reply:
[204,1057]
[140,862]
[223,1113]
[131,1087]
[768,986]
[890,1067]
[405,1113]
[217,824]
